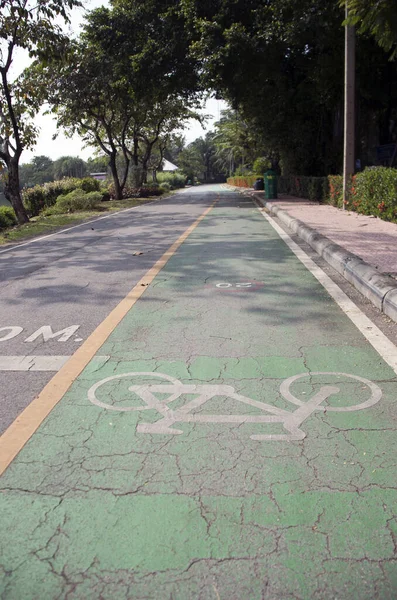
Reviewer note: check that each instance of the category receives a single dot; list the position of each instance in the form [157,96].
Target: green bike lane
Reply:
[234,438]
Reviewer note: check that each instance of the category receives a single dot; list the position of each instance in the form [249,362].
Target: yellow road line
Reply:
[21,430]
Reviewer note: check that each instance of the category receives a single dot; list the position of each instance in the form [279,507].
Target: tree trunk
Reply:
[118,192]
[13,193]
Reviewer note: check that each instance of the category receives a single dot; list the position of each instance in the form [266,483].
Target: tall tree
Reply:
[69,166]
[235,142]
[126,84]
[280,63]
[377,18]
[37,172]
[27,24]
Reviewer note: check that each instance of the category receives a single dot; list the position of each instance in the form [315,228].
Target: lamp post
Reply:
[350,88]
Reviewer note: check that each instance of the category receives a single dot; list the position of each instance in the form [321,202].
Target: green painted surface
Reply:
[92,507]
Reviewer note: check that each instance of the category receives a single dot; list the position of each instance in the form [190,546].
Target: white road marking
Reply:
[9,332]
[48,334]
[32,363]
[370,331]
[174,389]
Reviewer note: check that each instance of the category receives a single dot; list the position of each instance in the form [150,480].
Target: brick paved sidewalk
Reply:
[370,238]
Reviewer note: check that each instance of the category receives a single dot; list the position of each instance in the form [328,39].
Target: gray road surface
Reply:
[71,281]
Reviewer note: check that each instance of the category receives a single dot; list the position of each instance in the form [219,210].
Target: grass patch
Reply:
[43,225]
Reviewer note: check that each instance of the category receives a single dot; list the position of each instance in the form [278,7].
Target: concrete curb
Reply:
[380,289]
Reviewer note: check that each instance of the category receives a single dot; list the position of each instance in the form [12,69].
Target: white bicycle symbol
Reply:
[175,389]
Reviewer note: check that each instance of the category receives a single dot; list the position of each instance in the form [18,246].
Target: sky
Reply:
[63,146]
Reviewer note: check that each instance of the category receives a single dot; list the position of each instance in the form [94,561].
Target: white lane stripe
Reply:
[45,237]
[32,363]
[370,331]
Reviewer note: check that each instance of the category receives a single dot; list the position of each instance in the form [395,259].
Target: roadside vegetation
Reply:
[140,69]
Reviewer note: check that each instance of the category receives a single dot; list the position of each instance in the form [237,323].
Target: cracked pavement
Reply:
[94,508]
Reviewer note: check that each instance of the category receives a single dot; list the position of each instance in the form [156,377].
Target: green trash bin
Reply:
[270,178]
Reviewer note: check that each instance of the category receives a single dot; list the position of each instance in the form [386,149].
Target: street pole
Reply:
[350,88]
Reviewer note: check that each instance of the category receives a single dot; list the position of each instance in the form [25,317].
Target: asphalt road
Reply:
[231,437]
[66,284]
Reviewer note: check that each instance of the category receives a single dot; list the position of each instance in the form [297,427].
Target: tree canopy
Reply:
[377,18]
[280,64]
[29,25]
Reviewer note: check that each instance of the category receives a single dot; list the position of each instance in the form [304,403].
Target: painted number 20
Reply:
[231,285]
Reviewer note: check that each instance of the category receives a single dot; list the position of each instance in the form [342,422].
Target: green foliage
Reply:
[165,186]
[89,184]
[34,199]
[44,196]
[146,191]
[335,183]
[377,18]
[312,188]
[7,217]
[37,172]
[236,143]
[105,195]
[31,26]
[279,64]
[261,165]
[374,192]
[129,191]
[175,179]
[98,164]
[78,200]
[69,166]
[242,171]
[129,81]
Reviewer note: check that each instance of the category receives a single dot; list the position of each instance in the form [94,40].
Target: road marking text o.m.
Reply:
[46,332]
[12,332]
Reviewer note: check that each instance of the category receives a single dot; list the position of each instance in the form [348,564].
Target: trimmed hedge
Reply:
[335,197]
[374,192]
[7,217]
[312,188]
[246,182]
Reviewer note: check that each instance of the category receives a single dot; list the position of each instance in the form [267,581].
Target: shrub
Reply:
[318,189]
[7,217]
[335,190]
[147,191]
[89,184]
[175,179]
[165,186]
[245,182]
[105,196]
[374,192]
[242,171]
[128,192]
[44,196]
[78,200]
[34,199]
[312,188]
